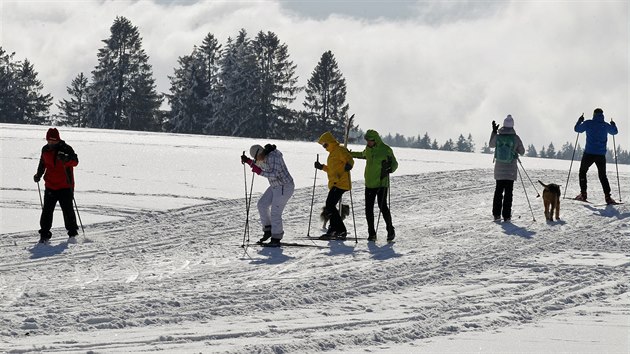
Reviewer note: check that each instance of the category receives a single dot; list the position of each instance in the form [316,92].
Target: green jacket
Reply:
[374,157]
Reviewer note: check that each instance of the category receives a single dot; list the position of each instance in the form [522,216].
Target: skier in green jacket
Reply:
[380,162]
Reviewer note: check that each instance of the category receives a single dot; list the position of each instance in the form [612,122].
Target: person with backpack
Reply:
[507,146]
[597,130]
[56,165]
[337,167]
[268,162]
[380,162]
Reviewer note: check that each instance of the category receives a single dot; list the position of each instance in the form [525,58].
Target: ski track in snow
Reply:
[451,270]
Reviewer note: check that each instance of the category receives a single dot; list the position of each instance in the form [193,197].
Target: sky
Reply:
[442,67]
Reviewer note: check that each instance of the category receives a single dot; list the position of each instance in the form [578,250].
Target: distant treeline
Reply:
[566,152]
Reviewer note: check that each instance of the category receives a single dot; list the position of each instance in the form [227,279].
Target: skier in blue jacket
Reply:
[597,131]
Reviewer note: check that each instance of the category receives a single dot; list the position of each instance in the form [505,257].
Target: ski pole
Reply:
[78,215]
[247,204]
[526,196]
[616,166]
[354,223]
[310,215]
[571,166]
[389,202]
[378,220]
[40,196]
[530,180]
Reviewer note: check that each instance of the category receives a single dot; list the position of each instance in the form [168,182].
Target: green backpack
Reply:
[504,151]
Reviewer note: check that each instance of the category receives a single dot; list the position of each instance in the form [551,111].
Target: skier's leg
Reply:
[46,219]
[387,216]
[370,196]
[264,207]
[497,201]
[600,162]
[281,195]
[585,164]
[336,224]
[69,218]
[507,199]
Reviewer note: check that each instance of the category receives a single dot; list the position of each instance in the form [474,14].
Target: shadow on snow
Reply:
[41,250]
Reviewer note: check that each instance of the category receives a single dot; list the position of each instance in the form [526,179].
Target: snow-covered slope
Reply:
[158,278]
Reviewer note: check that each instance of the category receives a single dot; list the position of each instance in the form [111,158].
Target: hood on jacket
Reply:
[373,135]
[328,138]
[598,115]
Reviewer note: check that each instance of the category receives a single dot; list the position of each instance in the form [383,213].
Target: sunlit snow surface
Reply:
[161,267]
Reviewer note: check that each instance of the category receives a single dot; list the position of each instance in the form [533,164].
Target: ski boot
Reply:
[266,234]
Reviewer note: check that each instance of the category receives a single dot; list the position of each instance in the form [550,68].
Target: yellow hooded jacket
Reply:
[338,157]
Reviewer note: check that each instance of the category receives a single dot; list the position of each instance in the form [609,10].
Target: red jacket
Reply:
[58,173]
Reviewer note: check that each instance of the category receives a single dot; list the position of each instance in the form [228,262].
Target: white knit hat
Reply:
[255,150]
[508,122]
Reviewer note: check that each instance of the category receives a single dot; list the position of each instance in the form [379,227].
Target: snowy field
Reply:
[161,267]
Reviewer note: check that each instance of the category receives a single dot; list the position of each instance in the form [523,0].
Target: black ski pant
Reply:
[65,198]
[502,203]
[600,161]
[334,196]
[380,194]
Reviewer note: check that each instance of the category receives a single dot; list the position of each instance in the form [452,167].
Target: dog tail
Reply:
[544,185]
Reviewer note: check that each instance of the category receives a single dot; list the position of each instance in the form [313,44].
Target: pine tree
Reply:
[32,106]
[326,97]
[239,89]
[74,112]
[278,85]
[209,54]
[449,145]
[122,94]
[531,151]
[471,143]
[424,142]
[543,153]
[566,152]
[435,145]
[8,88]
[551,151]
[465,144]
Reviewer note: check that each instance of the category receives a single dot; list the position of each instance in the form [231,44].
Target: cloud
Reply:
[446,68]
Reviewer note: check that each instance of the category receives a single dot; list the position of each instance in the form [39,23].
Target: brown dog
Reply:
[325,217]
[551,200]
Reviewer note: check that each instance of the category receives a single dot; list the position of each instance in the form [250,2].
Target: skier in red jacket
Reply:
[56,166]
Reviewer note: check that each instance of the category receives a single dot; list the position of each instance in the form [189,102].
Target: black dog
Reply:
[325,216]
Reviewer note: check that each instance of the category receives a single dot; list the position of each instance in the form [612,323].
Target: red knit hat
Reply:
[53,134]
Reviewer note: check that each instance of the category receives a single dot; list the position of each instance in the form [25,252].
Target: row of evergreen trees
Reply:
[566,152]
[241,89]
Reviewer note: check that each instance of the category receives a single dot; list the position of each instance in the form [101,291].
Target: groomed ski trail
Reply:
[451,270]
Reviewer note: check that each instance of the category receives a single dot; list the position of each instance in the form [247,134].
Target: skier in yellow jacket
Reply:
[337,167]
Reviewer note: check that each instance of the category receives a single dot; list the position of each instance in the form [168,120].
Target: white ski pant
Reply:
[271,205]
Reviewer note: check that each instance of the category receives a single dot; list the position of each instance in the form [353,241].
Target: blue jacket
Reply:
[597,131]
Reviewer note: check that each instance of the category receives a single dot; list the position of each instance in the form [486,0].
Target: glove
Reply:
[386,168]
[257,170]
[495,127]
[245,159]
[347,167]
[581,119]
[318,165]
[612,122]
[63,156]
[37,178]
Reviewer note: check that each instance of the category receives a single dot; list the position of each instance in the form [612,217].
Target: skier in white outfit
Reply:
[268,162]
